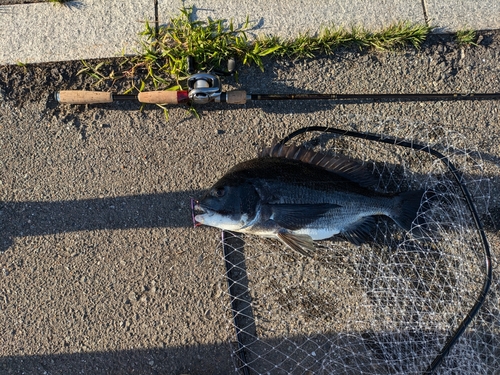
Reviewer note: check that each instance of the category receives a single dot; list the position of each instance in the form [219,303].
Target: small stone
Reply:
[132,297]
[200,259]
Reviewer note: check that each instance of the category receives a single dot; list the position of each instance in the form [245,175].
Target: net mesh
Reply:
[388,306]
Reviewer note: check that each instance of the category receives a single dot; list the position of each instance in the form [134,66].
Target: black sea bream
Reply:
[298,196]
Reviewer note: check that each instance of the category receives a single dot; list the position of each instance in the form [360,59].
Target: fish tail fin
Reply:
[406,209]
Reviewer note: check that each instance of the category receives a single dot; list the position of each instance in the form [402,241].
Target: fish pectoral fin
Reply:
[296,216]
[360,231]
[301,243]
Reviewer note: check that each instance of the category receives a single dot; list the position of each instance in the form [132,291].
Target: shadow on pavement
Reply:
[365,352]
[203,359]
[19,219]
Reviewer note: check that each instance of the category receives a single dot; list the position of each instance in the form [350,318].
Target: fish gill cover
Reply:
[385,307]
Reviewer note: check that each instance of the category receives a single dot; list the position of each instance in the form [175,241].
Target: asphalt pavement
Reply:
[101,269]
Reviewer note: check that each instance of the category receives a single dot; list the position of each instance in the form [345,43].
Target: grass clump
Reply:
[331,38]
[466,37]
[212,42]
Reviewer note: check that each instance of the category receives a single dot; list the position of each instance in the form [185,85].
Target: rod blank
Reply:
[422,97]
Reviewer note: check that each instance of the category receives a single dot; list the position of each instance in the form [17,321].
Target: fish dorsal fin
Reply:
[340,165]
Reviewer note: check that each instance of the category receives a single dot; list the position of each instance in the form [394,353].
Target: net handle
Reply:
[231,241]
[459,179]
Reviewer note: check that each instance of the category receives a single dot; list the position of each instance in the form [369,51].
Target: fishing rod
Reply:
[205,88]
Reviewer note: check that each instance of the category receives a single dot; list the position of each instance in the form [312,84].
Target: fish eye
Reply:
[219,192]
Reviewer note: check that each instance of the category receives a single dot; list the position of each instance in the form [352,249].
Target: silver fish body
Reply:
[299,196]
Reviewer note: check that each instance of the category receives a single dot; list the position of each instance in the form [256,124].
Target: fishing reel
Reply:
[203,88]
[206,87]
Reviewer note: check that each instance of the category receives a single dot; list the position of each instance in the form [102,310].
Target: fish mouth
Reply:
[197,213]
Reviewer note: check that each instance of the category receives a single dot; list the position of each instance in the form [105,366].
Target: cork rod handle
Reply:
[83,97]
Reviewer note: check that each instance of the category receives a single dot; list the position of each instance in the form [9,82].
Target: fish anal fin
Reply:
[302,243]
[360,231]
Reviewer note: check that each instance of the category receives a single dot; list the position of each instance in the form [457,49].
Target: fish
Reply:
[299,196]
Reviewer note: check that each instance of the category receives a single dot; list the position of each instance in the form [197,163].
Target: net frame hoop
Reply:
[458,176]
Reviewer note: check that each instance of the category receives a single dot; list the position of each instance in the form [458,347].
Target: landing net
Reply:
[389,306]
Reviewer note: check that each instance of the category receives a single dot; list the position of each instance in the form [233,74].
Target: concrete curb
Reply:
[87,29]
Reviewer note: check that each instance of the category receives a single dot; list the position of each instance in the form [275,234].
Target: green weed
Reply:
[212,42]
[162,61]
[97,73]
[466,37]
